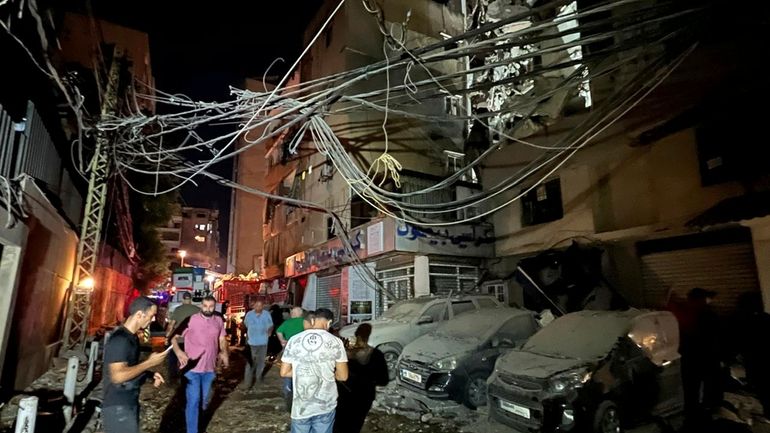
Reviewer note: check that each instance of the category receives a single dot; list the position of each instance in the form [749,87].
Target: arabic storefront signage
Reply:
[366,242]
[387,235]
[466,240]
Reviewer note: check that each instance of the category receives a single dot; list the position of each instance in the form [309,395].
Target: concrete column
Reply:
[10,271]
[760,234]
[421,276]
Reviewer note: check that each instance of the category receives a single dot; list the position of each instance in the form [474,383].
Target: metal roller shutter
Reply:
[729,270]
[449,278]
[328,293]
[399,282]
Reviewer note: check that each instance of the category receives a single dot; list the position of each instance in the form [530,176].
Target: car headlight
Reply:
[446,364]
[570,379]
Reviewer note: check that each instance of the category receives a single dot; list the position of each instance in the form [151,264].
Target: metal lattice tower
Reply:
[79,307]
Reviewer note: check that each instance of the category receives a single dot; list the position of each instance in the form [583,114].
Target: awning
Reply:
[735,209]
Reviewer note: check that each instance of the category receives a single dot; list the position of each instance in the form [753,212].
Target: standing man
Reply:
[288,329]
[123,373]
[178,317]
[314,359]
[205,341]
[259,326]
[699,347]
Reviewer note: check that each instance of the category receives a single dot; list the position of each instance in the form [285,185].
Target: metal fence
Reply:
[27,147]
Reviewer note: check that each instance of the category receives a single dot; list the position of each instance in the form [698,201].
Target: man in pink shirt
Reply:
[205,340]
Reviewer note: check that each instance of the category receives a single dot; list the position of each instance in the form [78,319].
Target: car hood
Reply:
[432,347]
[522,363]
[381,330]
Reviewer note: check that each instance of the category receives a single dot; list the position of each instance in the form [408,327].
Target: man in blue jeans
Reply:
[259,325]
[205,341]
[314,359]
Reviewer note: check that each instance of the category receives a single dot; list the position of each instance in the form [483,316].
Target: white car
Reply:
[407,320]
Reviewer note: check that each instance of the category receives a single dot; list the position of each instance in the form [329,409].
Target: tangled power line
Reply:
[515,65]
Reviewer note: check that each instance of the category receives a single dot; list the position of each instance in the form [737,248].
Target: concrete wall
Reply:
[760,233]
[48,262]
[249,209]
[113,288]
[79,39]
[13,241]
[611,190]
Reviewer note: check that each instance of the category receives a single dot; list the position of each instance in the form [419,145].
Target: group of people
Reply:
[328,387]
[709,344]
[332,387]
[204,345]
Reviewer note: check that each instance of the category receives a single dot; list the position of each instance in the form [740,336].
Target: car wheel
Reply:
[476,391]
[607,418]
[391,352]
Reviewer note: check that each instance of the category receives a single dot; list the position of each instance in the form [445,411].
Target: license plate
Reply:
[406,374]
[515,409]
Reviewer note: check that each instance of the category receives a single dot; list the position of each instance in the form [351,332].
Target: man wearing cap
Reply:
[178,319]
[314,359]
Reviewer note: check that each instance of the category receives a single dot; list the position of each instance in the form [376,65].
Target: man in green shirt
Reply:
[291,327]
[288,329]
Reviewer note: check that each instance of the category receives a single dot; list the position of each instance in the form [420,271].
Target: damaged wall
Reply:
[48,262]
[113,288]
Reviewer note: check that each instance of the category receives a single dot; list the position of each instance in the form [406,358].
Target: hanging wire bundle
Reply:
[514,64]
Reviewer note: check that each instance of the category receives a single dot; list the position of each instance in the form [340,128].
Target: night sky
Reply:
[201,50]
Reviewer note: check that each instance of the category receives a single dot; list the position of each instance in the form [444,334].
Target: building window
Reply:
[177,225]
[170,236]
[201,227]
[454,162]
[200,238]
[200,215]
[450,278]
[542,204]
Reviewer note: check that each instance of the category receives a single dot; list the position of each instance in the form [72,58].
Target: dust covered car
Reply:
[407,320]
[454,361]
[591,371]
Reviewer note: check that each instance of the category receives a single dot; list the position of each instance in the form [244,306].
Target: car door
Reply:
[511,334]
[437,311]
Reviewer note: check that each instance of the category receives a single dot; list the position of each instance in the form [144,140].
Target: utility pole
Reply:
[79,306]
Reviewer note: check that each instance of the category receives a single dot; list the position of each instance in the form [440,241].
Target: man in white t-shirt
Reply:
[315,360]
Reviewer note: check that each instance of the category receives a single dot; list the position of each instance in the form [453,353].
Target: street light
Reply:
[182,254]
[86,283]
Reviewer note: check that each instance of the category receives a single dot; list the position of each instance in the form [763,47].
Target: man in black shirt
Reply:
[123,373]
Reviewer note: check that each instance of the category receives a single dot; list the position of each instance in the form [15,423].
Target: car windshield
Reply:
[404,311]
[471,325]
[579,336]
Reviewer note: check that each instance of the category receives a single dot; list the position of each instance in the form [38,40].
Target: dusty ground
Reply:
[261,409]
[258,410]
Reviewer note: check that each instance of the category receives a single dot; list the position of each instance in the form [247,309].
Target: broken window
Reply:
[542,204]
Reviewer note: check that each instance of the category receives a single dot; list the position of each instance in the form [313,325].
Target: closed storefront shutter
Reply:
[328,293]
[728,269]
[399,282]
[446,279]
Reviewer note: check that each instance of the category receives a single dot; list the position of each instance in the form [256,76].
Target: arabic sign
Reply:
[332,253]
[465,240]
[387,235]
